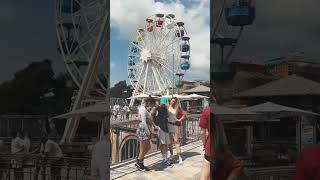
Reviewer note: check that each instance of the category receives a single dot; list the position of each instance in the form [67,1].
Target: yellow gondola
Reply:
[140,37]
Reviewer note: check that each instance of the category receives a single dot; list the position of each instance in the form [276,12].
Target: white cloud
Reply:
[127,16]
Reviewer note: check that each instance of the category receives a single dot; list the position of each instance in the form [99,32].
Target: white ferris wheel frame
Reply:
[162,47]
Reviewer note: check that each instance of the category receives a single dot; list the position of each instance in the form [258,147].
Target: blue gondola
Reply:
[132,63]
[70,6]
[185,47]
[185,66]
[134,49]
[241,13]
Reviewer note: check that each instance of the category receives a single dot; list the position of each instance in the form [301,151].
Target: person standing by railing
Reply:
[17,149]
[53,152]
[100,160]
[176,115]
[2,163]
[205,137]
[143,132]
[126,111]
[225,165]
[308,164]
[40,163]
[160,113]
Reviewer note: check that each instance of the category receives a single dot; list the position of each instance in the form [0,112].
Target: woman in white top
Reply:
[173,123]
[143,132]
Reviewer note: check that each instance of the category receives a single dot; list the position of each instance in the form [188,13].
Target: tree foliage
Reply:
[121,90]
[25,93]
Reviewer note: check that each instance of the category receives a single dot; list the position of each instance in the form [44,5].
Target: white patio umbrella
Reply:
[179,96]
[232,114]
[277,111]
[96,111]
[196,96]
[141,96]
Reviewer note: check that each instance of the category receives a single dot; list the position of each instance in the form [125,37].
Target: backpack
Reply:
[161,119]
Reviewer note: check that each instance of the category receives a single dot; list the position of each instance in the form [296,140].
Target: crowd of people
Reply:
[161,118]
[120,112]
[47,151]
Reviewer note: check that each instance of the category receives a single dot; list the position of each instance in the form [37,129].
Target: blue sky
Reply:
[127,15]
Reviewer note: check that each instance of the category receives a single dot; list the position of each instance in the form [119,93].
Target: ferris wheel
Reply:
[82,28]
[158,52]
[229,19]
[78,23]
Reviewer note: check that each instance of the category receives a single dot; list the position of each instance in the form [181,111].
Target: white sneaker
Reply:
[180,160]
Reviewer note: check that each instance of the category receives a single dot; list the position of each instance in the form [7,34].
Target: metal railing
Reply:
[271,173]
[33,167]
[190,132]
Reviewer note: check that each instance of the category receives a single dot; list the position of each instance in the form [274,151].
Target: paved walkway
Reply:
[192,155]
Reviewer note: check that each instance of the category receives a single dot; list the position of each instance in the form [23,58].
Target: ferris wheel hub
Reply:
[145,54]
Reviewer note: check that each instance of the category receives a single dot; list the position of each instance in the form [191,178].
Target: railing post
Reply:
[184,131]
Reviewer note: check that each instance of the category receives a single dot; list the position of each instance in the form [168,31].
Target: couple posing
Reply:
[162,118]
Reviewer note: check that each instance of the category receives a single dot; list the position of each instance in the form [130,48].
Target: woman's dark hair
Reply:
[150,99]
[27,133]
[175,98]
[19,133]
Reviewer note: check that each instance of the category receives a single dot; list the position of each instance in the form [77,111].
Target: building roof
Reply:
[247,60]
[288,86]
[198,89]
[302,58]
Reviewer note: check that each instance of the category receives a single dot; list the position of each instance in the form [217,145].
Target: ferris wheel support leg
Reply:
[90,76]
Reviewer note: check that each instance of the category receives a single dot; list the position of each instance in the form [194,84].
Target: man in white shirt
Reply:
[17,149]
[53,151]
[126,111]
[100,160]
[2,165]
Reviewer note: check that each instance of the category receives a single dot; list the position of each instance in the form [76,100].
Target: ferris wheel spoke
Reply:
[158,35]
[157,78]
[145,78]
[168,45]
[140,77]
[164,37]
[165,66]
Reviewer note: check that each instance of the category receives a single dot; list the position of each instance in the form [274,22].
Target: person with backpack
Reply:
[160,119]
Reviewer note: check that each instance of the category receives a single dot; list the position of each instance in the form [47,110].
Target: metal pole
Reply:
[222,53]
[172,74]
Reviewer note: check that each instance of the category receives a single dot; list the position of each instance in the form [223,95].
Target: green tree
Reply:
[121,90]
[25,93]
